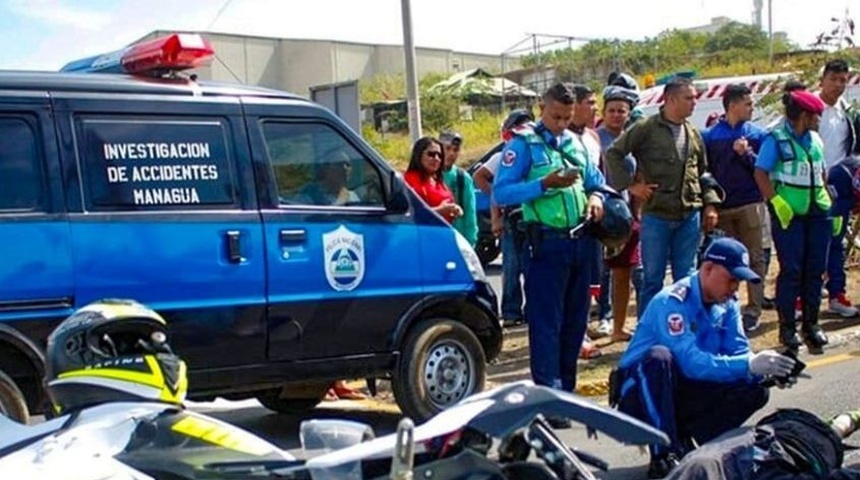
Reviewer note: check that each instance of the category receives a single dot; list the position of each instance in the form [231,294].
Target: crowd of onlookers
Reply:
[711,205]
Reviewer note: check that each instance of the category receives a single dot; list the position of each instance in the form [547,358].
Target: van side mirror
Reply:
[397,201]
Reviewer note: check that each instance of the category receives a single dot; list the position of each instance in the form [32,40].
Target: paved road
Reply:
[833,388]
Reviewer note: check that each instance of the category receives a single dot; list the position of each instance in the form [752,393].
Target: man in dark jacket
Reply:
[732,145]
[670,158]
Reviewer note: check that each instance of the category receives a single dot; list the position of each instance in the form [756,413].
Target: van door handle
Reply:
[293,236]
[234,246]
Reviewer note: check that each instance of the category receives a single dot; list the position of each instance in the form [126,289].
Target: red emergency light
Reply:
[178,51]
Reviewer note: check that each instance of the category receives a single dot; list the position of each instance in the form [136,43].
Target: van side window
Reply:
[134,164]
[314,165]
[20,171]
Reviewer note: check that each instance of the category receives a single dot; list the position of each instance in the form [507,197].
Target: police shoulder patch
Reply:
[675,322]
[509,157]
[679,291]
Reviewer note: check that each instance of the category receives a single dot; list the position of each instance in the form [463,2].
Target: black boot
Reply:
[813,335]
[788,329]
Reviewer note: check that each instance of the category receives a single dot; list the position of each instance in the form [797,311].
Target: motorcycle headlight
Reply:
[473,263]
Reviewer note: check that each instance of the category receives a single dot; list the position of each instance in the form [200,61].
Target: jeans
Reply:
[514,264]
[664,241]
[836,261]
[604,302]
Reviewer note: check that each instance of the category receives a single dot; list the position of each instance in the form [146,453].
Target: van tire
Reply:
[289,401]
[12,403]
[441,363]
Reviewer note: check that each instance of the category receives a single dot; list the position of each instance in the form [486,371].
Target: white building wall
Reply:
[296,65]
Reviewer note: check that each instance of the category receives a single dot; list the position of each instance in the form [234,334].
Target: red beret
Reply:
[808,101]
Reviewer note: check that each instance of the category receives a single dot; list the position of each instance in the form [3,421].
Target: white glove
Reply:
[769,362]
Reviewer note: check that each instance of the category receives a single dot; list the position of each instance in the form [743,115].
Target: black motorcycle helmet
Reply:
[614,230]
[112,351]
[517,117]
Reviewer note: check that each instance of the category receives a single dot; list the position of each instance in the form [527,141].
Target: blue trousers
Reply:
[514,265]
[662,242]
[802,253]
[836,261]
[655,392]
[557,301]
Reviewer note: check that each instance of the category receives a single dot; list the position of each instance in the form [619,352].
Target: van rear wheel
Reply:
[12,403]
[442,362]
[294,399]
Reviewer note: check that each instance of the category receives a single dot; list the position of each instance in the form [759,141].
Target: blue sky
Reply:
[45,34]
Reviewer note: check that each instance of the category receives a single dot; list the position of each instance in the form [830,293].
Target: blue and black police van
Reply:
[281,248]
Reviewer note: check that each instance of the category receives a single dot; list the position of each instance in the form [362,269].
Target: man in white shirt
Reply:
[838,133]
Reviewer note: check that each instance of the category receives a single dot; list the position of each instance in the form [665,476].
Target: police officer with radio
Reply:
[689,370]
[546,170]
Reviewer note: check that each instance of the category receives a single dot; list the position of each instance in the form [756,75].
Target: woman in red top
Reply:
[424,175]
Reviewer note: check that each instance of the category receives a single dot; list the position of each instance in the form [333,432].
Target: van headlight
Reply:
[473,263]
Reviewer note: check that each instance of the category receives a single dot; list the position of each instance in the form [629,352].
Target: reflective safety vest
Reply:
[557,207]
[798,177]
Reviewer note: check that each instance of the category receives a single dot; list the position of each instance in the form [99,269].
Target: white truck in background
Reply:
[711,90]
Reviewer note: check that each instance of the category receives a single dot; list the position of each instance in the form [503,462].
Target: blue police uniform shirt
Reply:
[768,154]
[509,187]
[707,343]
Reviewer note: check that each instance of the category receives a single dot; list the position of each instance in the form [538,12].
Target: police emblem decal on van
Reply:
[343,258]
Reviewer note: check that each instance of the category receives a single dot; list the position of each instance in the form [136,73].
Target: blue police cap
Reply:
[732,255]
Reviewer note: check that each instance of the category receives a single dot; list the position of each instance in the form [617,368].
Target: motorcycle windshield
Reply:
[188,444]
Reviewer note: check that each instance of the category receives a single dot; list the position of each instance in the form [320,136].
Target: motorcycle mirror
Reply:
[330,435]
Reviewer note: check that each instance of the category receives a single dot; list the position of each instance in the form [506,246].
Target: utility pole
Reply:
[770,31]
[413,103]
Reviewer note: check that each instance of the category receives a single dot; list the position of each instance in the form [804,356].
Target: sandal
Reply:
[621,337]
[330,396]
[589,351]
[343,392]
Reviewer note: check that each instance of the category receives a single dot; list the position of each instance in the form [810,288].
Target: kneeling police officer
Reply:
[689,370]
[545,169]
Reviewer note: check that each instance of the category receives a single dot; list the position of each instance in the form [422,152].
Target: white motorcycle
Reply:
[146,440]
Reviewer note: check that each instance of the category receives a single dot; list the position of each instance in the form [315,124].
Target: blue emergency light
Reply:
[178,51]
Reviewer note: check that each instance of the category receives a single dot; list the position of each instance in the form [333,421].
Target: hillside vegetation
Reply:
[736,49]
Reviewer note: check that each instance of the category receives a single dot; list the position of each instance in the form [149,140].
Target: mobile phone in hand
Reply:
[570,171]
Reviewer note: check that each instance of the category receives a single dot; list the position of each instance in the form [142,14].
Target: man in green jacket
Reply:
[461,185]
[677,205]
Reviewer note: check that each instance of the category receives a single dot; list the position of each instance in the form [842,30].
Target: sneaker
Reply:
[750,323]
[604,328]
[841,306]
[661,466]
[512,322]
[846,423]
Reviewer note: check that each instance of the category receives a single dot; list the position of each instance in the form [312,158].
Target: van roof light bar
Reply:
[171,53]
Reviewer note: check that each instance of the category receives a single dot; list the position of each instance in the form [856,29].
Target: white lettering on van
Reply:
[155,151]
[165,196]
[174,173]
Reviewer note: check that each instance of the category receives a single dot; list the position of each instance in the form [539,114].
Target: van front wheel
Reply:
[442,362]
[12,403]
